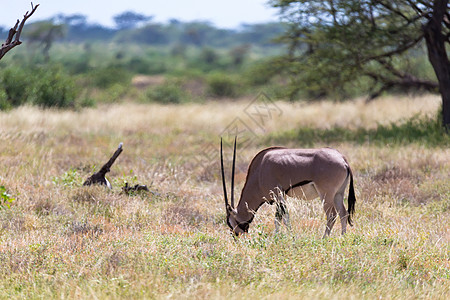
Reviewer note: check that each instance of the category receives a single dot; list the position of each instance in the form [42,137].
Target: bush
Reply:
[5,197]
[43,86]
[15,82]
[53,88]
[77,66]
[144,66]
[260,73]
[169,92]
[209,56]
[108,76]
[4,104]
[114,93]
[221,85]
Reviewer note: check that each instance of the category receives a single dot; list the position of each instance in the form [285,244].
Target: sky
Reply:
[222,13]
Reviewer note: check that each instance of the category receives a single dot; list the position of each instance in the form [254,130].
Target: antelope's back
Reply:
[287,167]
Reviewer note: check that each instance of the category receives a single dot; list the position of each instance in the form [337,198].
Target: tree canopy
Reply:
[129,19]
[334,44]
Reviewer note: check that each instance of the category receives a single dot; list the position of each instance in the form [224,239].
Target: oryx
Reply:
[275,171]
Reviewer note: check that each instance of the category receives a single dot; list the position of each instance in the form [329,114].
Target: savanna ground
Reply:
[61,240]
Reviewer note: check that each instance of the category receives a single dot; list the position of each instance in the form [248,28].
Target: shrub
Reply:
[144,66]
[53,88]
[114,93]
[43,86]
[70,178]
[221,85]
[77,66]
[5,197]
[260,73]
[108,76]
[169,92]
[15,83]
[209,56]
[4,104]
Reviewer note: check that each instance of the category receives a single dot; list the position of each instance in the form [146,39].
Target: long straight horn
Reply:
[223,175]
[232,173]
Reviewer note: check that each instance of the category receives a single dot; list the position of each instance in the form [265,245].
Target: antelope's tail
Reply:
[351,199]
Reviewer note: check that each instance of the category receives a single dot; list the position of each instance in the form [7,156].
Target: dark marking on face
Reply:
[244,226]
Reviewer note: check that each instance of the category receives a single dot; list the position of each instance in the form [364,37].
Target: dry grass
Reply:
[61,240]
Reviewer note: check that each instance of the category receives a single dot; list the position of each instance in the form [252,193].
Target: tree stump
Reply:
[99,177]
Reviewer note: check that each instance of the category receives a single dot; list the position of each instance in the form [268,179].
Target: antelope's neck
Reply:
[247,207]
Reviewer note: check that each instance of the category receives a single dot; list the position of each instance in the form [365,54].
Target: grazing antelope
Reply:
[275,171]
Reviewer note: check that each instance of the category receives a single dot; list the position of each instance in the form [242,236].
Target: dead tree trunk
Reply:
[99,177]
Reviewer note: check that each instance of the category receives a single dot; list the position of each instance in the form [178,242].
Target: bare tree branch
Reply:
[13,38]
[447,20]
[404,80]
[378,92]
[428,4]
[415,7]
[391,8]
[400,49]
[407,83]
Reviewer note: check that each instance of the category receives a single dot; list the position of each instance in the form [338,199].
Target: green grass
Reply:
[5,198]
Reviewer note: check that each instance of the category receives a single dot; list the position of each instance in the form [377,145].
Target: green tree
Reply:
[129,20]
[239,53]
[197,33]
[335,42]
[45,33]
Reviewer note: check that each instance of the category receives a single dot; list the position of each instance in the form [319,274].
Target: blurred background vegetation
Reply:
[66,62]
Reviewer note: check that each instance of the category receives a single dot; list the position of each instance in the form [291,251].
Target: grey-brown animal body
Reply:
[307,173]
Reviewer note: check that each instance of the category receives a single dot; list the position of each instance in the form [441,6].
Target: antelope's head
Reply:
[232,215]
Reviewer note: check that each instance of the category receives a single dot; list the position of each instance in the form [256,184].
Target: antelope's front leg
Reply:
[281,213]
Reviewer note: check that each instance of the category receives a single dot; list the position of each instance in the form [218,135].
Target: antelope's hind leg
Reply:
[343,215]
[339,205]
[330,211]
